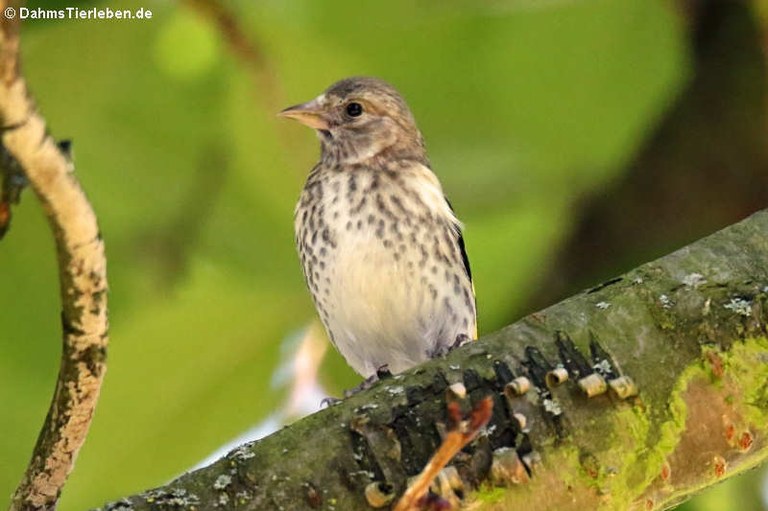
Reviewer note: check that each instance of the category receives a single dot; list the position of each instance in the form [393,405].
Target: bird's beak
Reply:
[310,114]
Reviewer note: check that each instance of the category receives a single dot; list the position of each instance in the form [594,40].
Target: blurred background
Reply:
[575,138]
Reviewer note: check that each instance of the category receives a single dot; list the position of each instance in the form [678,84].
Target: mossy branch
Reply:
[82,277]
[686,332]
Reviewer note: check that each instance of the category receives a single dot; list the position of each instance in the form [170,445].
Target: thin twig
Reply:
[454,441]
[243,47]
[82,277]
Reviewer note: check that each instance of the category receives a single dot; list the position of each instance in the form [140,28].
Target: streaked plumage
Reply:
[380,246]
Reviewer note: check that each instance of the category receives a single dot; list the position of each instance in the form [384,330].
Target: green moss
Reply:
[488,494]
[627,476]
[747,362]
[624,477]
[634,426]
[573,469]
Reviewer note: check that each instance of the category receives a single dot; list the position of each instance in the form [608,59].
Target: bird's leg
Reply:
[461,340]
[442,351]
[382,373]
[364,385]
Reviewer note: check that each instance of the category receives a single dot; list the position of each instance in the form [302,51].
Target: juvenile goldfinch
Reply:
[380,246]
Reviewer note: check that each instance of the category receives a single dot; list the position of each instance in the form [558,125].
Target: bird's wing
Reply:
[464,258]
[460,242]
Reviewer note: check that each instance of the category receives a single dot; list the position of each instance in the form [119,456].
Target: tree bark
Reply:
[687,331]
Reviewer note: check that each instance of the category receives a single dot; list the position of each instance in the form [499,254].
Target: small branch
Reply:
[454,441]
[82,276]
[254,60]
[242,47]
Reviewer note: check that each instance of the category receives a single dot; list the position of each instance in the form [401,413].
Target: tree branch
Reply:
[674,355]
[82,276]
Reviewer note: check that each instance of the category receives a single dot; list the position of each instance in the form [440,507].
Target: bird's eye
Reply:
[354,109]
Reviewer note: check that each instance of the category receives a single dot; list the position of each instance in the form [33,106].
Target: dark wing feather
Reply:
[462,248]
[464,255]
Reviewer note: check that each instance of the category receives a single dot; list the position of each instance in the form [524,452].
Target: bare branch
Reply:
[82,276]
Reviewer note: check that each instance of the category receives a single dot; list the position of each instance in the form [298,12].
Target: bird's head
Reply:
[361,118]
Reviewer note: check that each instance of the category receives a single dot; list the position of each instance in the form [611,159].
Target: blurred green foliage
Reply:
[525,106]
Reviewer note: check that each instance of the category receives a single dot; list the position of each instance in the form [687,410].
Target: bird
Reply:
[381,248]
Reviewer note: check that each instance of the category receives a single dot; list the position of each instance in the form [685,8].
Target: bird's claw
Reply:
[329,401]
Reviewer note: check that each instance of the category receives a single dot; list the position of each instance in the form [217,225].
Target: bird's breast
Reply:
[357,233]
[383,267]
